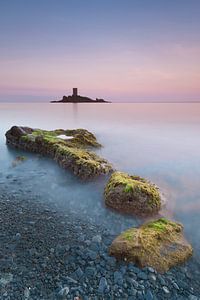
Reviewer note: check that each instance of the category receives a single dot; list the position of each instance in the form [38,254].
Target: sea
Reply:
[158,141]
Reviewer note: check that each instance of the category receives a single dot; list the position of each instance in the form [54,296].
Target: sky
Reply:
[119,50]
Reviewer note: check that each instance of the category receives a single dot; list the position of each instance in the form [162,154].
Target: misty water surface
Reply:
[158,141]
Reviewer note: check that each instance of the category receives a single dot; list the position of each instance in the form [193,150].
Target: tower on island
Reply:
[75,92]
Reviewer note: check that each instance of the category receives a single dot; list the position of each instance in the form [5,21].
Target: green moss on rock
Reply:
[79,137]
[159,244]
[84,163]
[71,153]
[132,194]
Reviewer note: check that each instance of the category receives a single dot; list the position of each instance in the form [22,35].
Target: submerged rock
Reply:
[71,153]
[132,194]
[18,160]
[159,244]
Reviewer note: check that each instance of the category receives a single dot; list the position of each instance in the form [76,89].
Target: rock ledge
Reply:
[159,244]
[71,153]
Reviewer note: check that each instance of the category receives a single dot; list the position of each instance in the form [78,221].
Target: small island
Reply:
[75,98]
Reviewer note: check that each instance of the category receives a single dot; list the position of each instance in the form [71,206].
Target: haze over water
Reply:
[157,141]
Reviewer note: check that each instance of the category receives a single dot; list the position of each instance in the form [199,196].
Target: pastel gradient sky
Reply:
[120,50]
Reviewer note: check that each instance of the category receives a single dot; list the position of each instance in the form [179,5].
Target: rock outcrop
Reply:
[70,148]
[159,244]
[79,99]
[132,195]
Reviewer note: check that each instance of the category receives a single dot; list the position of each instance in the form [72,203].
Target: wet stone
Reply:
[149,295]
[161,279]
[140,295]
[64,291]
[175,285]
[132,282]
[192,297]
[118,278]
[78,274]
[5,278]
[97,239]
[103,286]
[165,290]
[90,272]
[132,291]
[92,254]
[142,275]
[133,269]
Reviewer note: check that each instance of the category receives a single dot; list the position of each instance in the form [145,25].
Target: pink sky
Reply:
[152,59]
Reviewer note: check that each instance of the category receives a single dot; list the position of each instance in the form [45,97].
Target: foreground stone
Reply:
[159,244]
[67,147]
[132,194]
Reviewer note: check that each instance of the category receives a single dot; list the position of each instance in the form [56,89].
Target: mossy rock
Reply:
[70,148]
[159,244]
[132,194]
[74,137]
[85,164]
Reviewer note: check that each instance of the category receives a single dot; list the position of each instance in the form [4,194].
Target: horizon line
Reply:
[112,102]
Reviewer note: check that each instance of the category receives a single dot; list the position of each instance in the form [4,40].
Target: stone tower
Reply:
[75,92]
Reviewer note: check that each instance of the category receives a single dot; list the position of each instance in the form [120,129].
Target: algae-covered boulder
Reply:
[70,148]
[159,244]
[132,194]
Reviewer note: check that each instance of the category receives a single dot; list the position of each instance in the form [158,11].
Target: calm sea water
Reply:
[158,141]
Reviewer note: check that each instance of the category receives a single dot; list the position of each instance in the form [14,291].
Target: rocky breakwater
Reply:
[159,244]
[70,148]
[132,194]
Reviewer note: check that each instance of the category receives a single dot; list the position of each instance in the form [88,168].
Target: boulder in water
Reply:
[159,244]
[132,194]
[71,153]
